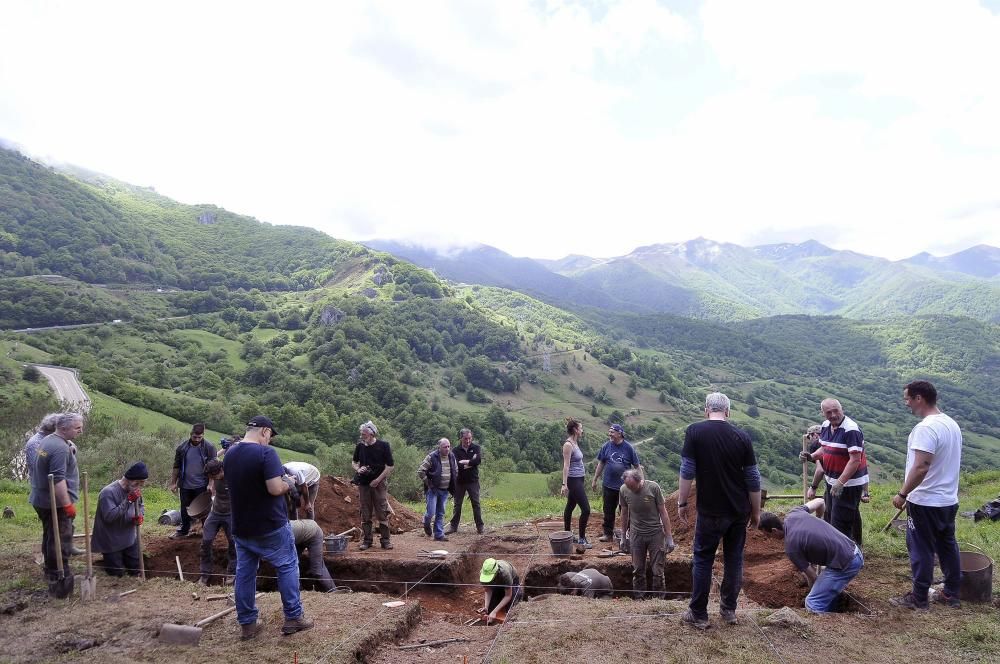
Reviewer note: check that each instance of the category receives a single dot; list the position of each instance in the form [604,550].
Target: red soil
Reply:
[338,509]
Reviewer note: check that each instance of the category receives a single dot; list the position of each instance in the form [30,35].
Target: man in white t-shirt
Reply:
[933,460]
[306,478]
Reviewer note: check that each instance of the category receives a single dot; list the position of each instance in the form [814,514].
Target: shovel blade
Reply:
[61,588]
[180,634]
[88,588]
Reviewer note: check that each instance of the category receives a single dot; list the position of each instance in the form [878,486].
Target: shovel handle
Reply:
[142,561]
[220,614]
[55,525]
[889,525]
[86,527]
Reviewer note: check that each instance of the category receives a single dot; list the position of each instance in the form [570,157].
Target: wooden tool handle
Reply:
[55,525]
[220,614]
[889,525]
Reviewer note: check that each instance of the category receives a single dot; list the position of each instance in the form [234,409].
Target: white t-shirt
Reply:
[939,435]
[305,473]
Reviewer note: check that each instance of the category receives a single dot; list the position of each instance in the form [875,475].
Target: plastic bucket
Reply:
[200,506]
[334,545]
[561,542]
[977,577]
[170,518]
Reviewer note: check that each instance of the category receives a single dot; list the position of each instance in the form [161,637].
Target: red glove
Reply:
[137,520]
[134,496]
[70,510]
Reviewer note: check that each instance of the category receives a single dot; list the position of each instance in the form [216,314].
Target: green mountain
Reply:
[225,316]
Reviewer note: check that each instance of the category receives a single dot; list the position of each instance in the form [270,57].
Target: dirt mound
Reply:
[769,578]
[683,534]
[337,508]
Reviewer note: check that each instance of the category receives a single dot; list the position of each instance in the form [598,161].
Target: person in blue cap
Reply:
[615,457]
[119,511]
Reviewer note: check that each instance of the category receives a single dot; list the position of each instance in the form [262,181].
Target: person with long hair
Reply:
[573,474]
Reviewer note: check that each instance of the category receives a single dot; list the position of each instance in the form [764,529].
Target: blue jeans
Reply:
[828,586]
[931,530]
[436,500]
[277,548]
[708,532]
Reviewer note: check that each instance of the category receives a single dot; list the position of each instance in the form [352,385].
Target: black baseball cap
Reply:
[261,422]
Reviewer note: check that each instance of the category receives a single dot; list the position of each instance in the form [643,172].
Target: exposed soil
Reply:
[337,508]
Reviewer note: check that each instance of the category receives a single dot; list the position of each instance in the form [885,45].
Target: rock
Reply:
[8,512]
[347,499]
[785,617]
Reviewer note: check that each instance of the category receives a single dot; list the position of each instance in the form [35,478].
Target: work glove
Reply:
[134,496]
[837,489]
[137,520]
[69,510]
[805,456]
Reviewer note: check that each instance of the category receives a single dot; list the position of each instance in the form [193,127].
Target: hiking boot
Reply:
[383,533]
[177,535]
[451,530]
[698,623]
[480,529]
[250,630]
[364,546]
[77,551]
[604,538]
[202,580]
[908,601]
[951,601]
[585,544]
[386,544]
[427,528]
[293,625]
[728,616]
[441,539]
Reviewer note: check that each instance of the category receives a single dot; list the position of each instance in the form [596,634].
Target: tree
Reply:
[593,411]
[753,412]
[611,378]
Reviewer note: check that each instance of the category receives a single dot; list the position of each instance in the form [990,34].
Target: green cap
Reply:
[490,567]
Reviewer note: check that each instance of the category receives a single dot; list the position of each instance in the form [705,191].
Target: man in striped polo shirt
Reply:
[845,467]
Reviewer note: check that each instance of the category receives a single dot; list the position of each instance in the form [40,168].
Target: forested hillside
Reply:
[225,317]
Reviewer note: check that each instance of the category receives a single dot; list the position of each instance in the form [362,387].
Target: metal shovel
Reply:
[62,587]
[191,635]
[88,585]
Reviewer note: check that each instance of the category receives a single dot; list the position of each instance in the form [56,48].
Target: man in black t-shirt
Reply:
[720,458]
[469,455]
[373,464]
[260,525]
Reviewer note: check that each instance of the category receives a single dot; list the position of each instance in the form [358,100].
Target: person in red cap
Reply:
[119,510]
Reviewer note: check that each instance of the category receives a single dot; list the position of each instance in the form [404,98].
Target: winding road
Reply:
[66,386]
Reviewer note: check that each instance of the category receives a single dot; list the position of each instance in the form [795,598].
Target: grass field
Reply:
[22,352]
[211,342]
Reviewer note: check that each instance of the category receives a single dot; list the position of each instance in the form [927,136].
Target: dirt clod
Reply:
[785,617]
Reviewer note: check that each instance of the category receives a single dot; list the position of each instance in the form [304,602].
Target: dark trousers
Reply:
[648,557]
[213,524]
[577,496]
[497,593]
[844,513]
[187,497]
[611,497]
[49,542]
[313,492]
[472,489]
[708,532]
[931,530]
[116,563]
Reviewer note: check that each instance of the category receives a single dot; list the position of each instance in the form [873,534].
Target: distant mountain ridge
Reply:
[702,278]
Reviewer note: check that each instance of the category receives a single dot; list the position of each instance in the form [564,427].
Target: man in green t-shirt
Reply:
[645,518]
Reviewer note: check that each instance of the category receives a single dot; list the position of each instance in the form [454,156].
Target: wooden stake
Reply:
[127,592]
[180,572]
[428,644]
[805,473]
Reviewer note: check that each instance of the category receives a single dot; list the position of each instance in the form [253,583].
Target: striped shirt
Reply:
[837,447]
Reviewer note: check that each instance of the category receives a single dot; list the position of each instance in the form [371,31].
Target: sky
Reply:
[542,128]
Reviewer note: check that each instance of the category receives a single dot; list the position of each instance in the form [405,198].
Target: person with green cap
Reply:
[502,587]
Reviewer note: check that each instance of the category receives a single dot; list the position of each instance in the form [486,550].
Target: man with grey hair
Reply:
[469,455]
[844,466]
[438,472]
[721,459]
[57,457]
[45,428]
[644,516]
[373,464]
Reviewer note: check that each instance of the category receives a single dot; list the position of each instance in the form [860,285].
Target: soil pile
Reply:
[683,534]
[769,578]
[337,508]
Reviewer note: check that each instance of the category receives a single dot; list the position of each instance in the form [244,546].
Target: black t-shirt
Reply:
[376,457]
[255,512]
[720,452]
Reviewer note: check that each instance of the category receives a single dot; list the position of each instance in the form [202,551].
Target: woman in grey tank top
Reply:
[573,474]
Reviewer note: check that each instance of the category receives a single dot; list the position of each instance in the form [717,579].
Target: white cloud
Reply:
[541,128]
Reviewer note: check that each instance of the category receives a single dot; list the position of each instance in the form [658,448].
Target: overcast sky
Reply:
[541,128]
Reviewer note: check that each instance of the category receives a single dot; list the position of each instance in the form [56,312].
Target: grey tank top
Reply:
[576,468]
